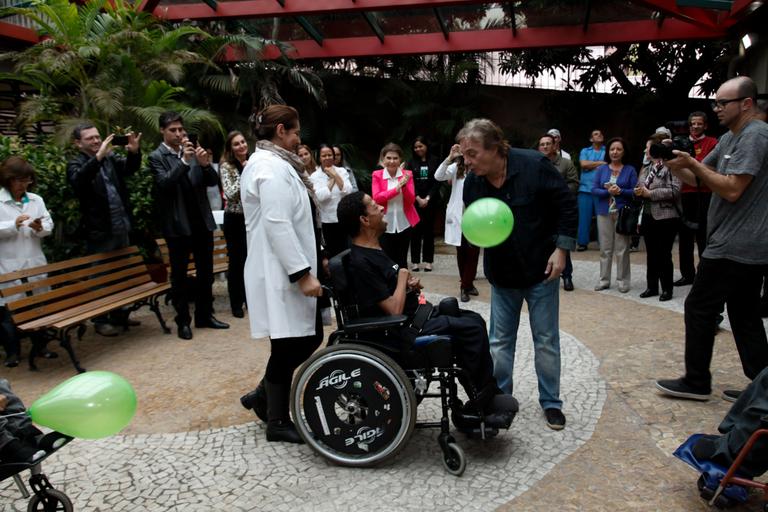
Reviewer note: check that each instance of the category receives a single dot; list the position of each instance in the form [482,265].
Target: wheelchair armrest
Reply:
[375,323]
[430,339]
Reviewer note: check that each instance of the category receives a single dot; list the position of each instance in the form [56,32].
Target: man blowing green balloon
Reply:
[527,265]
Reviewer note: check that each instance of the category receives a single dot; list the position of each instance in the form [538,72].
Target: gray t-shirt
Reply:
[739,231]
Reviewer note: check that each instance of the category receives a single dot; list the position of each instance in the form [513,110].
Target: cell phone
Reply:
[607,184]
[192,137]
[119,140]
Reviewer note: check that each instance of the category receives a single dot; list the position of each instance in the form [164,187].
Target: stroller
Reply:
[720,486]
[45,498]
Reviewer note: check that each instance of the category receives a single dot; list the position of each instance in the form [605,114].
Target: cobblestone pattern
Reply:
[234,468]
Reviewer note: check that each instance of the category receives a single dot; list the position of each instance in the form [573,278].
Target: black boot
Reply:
[256,400]
[279,424]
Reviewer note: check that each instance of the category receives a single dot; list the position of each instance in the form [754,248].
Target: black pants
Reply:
[237,250]
[659,238]
[287,354]
[200,244]
[395,245]
[8,334]
[336,239]
[470,345]
[736,285]
[695,207]
[423,234]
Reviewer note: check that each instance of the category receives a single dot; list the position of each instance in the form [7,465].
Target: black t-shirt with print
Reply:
[373,277]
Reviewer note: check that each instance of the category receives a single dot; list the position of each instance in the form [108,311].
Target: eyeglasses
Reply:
[722,103]
[25,181]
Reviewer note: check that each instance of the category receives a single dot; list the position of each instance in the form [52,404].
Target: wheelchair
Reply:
[354,402]
[45,498]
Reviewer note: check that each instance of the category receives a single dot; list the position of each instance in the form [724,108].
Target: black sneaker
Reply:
[555,418]
[731,395]
[464,296]
[678,388]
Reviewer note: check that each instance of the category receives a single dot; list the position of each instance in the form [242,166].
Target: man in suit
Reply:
[182,171]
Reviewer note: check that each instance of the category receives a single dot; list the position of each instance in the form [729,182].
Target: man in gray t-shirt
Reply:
[737,242]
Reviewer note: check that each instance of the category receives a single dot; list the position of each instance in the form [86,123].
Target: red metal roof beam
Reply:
[17,32]
[496,40]
[270,8]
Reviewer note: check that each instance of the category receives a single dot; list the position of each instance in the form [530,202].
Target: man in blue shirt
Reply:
[528,264]
[590,159]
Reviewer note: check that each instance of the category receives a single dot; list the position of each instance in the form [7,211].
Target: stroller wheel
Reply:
[704,491]
[53,501]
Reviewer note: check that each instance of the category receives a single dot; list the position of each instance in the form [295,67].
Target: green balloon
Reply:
[487,222]
[91,405]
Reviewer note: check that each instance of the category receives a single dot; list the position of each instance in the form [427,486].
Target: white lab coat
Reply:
[21,248]
[281,242]
[328,200]
[455,209]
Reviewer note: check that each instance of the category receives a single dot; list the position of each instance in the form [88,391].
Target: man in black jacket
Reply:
[182,171]
[528,264]
[98,176]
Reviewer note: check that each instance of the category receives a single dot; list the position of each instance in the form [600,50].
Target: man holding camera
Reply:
[695,202]
[736,171]
[98,176]
[182,171]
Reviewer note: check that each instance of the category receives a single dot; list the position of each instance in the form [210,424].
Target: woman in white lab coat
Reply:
[281,284]
[467,255]
[24,221]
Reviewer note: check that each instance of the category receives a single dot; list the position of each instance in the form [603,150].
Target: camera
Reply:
[120,140]
[192,137]
[664,151]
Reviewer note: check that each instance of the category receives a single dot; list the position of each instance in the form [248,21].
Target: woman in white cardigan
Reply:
[467,255]
[331,183]
[24,222]
[281,282]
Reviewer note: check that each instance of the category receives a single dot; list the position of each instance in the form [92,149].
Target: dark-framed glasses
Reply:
[722,103]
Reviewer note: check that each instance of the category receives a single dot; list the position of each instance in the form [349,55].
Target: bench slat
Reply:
[92,309]
[78,286]
[23,316]
[70,276]
[66,264]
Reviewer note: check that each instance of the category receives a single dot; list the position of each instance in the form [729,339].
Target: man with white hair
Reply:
[555,133]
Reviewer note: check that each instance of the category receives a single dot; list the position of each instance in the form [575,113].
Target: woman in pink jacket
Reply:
[393,189]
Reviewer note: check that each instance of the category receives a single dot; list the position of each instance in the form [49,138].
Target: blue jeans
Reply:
[587,209]
[544,310]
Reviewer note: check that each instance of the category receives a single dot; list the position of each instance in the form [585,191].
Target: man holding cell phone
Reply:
[182,171]
[98,177]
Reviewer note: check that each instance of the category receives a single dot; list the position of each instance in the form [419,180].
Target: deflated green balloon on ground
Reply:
[487,222]
[91,405]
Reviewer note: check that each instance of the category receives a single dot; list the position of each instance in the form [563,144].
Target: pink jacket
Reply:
[382,196]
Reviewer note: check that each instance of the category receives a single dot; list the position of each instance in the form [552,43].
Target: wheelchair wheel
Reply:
[353,405]
[54,501]
[454,460]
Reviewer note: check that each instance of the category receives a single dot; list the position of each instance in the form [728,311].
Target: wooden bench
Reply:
[50,301]
[220,257]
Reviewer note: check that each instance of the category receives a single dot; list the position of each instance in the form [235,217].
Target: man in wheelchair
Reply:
[380,288]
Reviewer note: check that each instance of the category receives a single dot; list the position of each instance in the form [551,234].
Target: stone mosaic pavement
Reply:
[183,454]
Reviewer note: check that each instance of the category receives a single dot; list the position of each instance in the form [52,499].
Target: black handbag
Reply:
[629,218]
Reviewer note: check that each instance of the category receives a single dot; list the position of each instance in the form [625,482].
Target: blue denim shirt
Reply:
[545,213]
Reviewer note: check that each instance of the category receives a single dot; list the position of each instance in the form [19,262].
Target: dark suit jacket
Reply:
[172,180]
[83,174]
